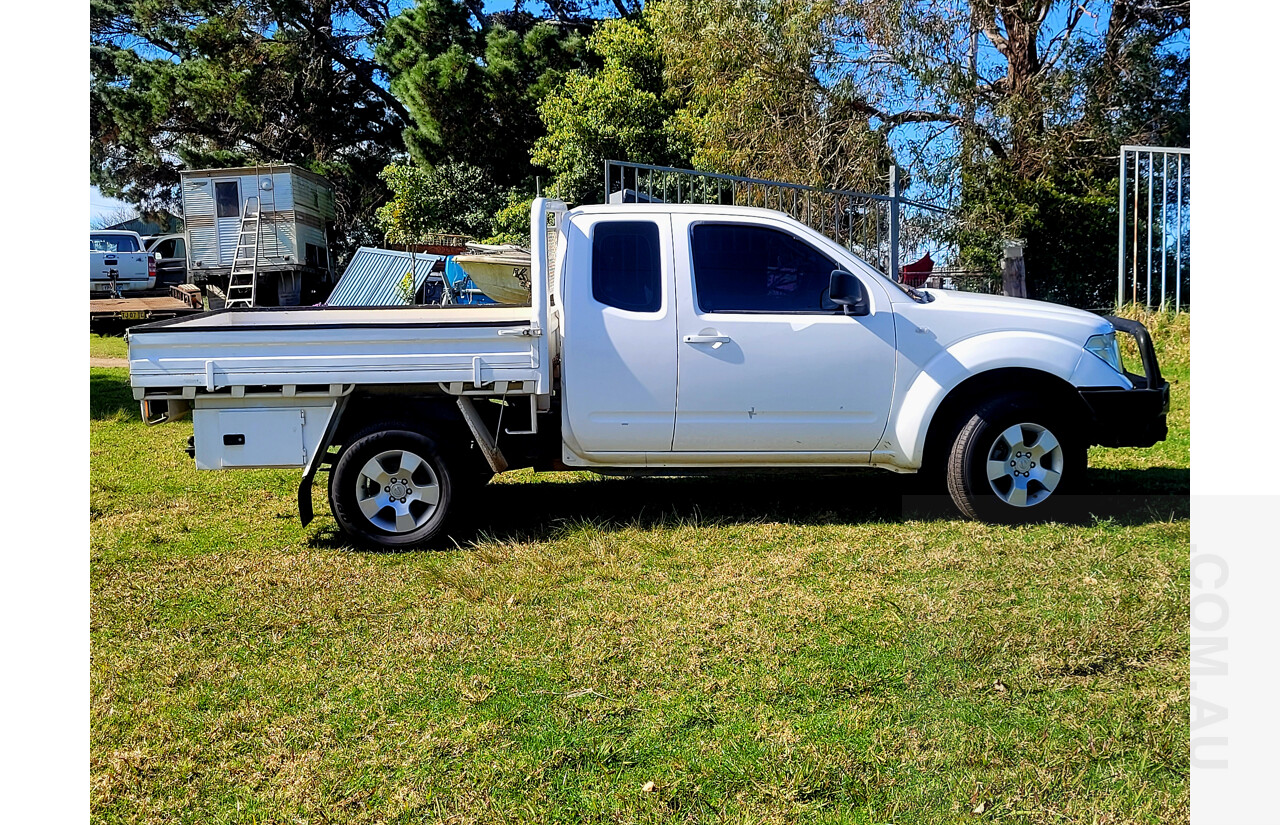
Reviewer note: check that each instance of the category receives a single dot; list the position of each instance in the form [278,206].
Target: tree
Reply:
[1014,112]
[619,111]
[209,83]
[1040,86]
[449,198]
[472,82]
[755,98]
[105,220]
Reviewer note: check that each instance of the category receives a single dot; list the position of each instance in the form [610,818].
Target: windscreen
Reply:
[113,243]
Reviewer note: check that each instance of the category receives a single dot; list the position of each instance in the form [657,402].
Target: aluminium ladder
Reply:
[242,287]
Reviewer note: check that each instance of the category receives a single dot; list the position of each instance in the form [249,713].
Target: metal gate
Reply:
[1154,264]
[880,229]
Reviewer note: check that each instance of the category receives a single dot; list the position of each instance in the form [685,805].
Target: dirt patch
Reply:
[122,363]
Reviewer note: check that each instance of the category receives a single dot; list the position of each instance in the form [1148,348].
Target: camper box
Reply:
[296,206]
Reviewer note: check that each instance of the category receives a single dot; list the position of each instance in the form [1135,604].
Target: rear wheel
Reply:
[392,488]
[1015,460]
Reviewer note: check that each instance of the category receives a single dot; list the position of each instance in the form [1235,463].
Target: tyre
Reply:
[1015,460]
[391,488]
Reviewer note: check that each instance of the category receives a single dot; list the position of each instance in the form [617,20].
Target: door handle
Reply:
[707,339]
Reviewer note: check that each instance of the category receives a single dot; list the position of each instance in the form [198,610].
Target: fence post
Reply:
[1014,269]
[894,206]
[1120,262]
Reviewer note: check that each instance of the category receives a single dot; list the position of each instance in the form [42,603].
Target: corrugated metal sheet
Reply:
[197,211]
[377,277]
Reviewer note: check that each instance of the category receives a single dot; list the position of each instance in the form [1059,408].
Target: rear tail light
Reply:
[151,266]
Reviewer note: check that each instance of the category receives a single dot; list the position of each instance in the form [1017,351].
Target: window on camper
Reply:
[227,195]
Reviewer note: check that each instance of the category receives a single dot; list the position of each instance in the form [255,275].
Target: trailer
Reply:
[152,305]
[270,224]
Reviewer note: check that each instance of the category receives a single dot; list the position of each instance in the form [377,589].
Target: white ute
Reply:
[659,339]
[118,263]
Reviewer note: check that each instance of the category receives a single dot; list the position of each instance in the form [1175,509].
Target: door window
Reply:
[744,268]
[227,195]
[626,265]
[172,248]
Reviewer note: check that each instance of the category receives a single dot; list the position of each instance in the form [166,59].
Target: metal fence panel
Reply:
[879,228]
[1154,257]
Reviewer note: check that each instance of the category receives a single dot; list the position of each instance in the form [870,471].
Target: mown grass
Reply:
[107,346]
[745,649]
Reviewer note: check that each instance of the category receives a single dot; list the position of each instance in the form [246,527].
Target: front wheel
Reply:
[391,488]
[1015,460]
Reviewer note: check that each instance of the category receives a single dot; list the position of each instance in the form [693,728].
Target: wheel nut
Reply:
[386,489]
[1033,464]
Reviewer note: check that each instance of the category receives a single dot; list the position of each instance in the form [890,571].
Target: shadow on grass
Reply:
[537,511]
[110,395]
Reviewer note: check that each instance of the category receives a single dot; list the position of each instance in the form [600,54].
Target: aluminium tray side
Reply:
[318,346]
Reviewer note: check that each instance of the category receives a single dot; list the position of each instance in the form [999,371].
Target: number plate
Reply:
[133,315]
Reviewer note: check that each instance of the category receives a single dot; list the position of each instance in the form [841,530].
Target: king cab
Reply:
[658,338]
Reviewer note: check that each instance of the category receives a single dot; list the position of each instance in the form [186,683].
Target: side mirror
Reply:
[158,256]
[847,291]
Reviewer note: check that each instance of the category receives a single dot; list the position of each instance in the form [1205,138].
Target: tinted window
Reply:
[739,268]
[626,265]
[172,248]
[113,243]
[228,197]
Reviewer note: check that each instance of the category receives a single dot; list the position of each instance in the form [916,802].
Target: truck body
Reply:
[659,339]
[118,263]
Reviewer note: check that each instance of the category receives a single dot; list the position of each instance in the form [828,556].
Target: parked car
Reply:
[659,339]
[118,263]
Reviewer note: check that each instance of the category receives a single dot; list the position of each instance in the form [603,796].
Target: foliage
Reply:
[451,198]
[511,224]
[618,111]
[196,84]
[1068,225]
[472,84]
[753,95]
[1015,112]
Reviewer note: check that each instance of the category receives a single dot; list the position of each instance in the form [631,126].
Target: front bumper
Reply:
[1131,417]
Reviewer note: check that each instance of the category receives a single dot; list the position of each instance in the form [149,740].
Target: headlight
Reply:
[1105,347]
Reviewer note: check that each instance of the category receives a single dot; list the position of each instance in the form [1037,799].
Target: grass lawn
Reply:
[745,649]
[107,346]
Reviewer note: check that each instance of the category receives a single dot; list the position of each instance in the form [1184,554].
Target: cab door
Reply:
[766,363]
[619,355]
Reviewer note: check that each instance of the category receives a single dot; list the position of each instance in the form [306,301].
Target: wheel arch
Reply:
[957,405]
[431,415]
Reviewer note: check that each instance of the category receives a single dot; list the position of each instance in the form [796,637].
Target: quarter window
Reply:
[742,268]
[626,265]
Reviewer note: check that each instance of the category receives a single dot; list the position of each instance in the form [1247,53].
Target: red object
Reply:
[915,274]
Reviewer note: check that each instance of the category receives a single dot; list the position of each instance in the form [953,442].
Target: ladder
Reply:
[243,285]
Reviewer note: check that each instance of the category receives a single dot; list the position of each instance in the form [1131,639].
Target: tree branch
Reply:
[362,70]
[893,121]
